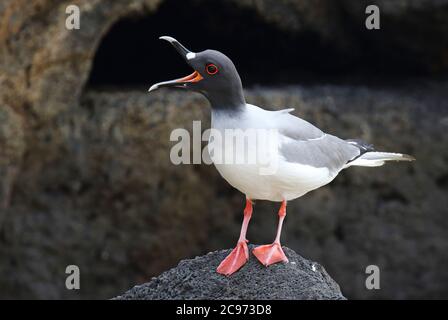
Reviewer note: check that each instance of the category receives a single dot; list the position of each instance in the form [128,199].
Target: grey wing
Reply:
[308,145]
[327,152]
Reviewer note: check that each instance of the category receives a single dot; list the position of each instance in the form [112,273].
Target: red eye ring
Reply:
[211,69]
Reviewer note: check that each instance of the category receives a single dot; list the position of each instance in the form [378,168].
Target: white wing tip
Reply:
[374,159]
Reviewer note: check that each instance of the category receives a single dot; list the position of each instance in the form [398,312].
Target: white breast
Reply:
[267,176]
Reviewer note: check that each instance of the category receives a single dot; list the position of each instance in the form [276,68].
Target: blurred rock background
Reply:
[85,176]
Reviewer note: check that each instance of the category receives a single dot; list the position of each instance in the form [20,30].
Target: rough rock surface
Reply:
[300,279]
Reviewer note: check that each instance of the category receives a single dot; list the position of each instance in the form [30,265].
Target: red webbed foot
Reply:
[270,254]
[235,260]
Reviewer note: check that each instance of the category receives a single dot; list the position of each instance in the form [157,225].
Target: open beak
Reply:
[182,82]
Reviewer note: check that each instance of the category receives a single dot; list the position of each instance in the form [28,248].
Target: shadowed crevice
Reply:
[131,55]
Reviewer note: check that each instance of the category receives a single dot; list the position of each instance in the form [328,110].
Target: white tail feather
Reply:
[376,159]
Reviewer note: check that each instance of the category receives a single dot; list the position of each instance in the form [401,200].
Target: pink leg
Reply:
[239,256]
[273,253]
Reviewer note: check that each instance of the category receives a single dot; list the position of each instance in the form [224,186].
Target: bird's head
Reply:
[214,76]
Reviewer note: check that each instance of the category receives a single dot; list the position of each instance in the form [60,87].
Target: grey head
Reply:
[214,76]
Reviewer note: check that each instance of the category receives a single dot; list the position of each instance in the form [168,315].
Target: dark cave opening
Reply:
[131,55]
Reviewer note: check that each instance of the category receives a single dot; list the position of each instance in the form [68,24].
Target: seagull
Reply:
[305,157]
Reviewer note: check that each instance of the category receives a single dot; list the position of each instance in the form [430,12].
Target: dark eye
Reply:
[211,69]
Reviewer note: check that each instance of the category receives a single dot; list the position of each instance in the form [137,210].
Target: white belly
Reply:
[266,176]
[290,181]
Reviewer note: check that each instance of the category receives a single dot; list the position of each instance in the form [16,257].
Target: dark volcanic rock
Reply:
[300,279]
